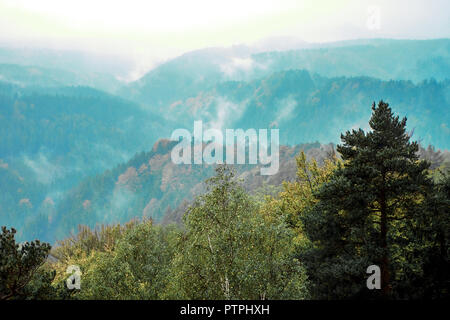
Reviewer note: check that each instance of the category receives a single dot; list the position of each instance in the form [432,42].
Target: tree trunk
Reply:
[385,274]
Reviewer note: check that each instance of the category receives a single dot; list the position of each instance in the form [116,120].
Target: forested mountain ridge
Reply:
[24,76]
[296,101]
[63,135]
[54,136]
[385,59]
[91,172]
[39,66]
[51,138]
[376,205]
[149,185]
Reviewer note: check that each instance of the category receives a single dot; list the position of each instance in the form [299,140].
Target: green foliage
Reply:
[368,212]
[379,206]
[137,268]
[227,250]
[22,275]
[59,142]
[298,195]
[87,241]
[235,246]
[433,251]
[231,251]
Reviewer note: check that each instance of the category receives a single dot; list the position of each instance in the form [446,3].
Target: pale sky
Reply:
[162,29]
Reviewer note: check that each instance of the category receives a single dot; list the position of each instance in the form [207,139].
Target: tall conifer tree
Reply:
[365,212]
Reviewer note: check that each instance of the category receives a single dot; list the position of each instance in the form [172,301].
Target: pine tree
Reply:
[21,275]
[365,210]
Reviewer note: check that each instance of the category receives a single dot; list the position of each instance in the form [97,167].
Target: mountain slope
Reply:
[150,184]
[307,107]
[198,71]
[52,138]
[89,69]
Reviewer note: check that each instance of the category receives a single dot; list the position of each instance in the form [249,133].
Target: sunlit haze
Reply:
[149,32]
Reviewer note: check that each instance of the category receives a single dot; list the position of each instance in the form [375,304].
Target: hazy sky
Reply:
[161,29]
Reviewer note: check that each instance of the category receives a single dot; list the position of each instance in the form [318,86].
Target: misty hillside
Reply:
[51,138]
[198,71]
[224,151]
[72,120]
[385,59]
[31,76]
[71,68]
[149,185]
[73,154]
[307,107]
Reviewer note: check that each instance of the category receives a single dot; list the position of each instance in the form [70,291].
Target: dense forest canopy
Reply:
[375,204]
[86,168]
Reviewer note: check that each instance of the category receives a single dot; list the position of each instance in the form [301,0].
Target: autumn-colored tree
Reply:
[298,195]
